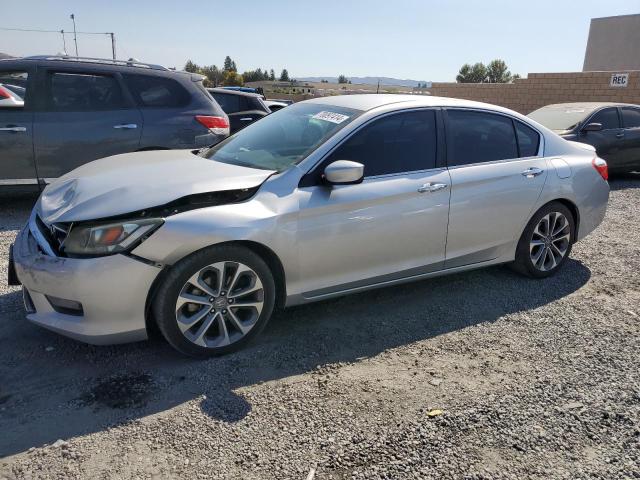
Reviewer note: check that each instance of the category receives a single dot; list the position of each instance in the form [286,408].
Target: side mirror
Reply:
[592,127]
[344,172]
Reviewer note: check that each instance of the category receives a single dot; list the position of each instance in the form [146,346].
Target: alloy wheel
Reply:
[550,241]
[219,304]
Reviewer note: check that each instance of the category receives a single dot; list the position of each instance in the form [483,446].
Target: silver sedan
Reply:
[323,198]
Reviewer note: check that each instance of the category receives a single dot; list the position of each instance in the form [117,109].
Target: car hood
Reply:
[135,181]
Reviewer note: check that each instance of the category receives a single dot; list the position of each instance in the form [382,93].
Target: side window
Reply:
[151,91]
[13,89]
[78,92]
[474,137]
[630,117]
[402,142]
[607,117]
[228,102]
[528,140]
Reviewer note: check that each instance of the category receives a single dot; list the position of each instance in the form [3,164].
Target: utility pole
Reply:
[64,42]
[113,44]
[75,39]
[378,89]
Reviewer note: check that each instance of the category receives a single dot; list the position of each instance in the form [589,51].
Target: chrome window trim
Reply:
[19,181]
[504,114]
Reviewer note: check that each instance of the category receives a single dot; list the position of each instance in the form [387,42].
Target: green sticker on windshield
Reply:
[330,117]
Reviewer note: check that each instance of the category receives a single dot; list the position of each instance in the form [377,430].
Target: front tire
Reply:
[215,301]
[546,241]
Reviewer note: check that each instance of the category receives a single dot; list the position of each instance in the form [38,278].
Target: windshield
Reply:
[560,117]
[284,138]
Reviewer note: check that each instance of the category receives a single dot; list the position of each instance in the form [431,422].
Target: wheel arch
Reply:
[573,208]
[269,256]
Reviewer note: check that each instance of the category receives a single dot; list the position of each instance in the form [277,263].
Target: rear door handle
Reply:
[246,119]
[432,187]
[126,126]
[13,129]
[620,135]
[532,172]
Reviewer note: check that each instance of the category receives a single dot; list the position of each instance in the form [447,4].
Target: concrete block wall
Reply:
[539,89]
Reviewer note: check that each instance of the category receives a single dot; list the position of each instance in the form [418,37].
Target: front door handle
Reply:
[620,135]
[432,187]
[13,129]
[532,172]
[246,119]
[126,126]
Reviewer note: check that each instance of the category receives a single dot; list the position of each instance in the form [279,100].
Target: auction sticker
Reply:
[330,117]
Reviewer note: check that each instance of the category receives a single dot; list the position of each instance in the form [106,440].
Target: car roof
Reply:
[587,106]
[233,92]
[373,100]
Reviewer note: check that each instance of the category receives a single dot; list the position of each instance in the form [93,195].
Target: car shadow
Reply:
[55,388]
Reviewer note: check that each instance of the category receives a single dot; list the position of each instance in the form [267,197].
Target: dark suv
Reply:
[67,111]
[243,108]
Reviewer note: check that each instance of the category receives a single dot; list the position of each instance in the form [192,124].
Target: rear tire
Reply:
[215,301]
[546,241]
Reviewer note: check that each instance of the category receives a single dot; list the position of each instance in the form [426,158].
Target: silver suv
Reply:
[323,198]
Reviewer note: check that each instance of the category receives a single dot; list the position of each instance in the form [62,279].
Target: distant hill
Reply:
[4,55]
[368,80]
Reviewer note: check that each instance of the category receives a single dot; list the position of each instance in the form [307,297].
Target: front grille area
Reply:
[54,234]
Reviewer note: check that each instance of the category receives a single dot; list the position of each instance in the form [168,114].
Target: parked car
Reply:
[241,107]
[329,196]
[274,106]
[612,128]
[258,90]
[77,109]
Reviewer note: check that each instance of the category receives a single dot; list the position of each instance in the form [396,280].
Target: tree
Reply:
[228,64]
[232,79]
[213,74]
[272,75]
[472,74]
[343,79]
[497,72]
[284,76]
[191,67]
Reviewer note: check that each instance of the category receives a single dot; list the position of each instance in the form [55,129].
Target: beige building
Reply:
[614,44]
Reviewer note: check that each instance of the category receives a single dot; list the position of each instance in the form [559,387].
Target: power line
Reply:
[62,32]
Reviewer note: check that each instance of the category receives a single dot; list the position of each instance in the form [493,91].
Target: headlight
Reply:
[108,238]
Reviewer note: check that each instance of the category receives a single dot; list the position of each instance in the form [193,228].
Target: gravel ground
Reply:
[482,375]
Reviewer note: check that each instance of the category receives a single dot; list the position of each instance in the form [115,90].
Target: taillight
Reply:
[217,125]
[601,166]
[4,94]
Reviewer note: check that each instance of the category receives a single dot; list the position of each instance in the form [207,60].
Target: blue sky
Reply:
[421,40]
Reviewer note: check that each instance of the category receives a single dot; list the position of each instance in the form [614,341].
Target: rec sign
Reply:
[619,80]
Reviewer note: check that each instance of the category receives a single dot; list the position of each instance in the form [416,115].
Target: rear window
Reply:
[630,117]
[474,137]
[560,117]
[152,91]
[79,92]
[231,103]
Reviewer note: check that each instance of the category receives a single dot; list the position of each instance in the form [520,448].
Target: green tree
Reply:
[284,76]
[497,72]
[272,75]
[232,79]
[228,64]
[191,67]
[343,79]
[472,74]
[213,74]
